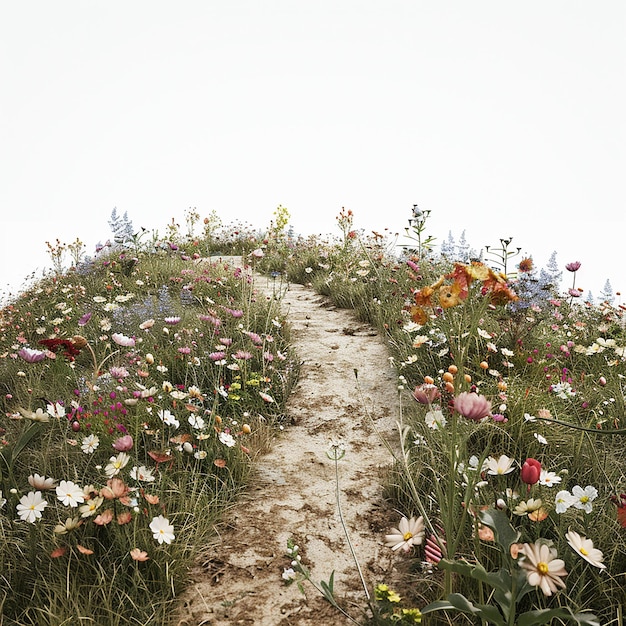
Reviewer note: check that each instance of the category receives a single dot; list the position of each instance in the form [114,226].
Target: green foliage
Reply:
[174,360]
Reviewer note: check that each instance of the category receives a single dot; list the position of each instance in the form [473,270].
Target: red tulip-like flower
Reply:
[426,393]
[531,471]
[472,406]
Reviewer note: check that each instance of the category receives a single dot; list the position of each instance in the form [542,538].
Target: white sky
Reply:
[502,118]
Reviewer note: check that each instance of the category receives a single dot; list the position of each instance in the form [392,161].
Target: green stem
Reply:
[345,529]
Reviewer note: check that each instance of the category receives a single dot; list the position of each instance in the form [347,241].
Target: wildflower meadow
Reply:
[140,382]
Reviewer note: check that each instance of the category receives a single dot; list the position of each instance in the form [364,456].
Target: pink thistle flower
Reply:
[217,356]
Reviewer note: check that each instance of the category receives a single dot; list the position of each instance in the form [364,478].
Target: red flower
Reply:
[531,470]
[69,348]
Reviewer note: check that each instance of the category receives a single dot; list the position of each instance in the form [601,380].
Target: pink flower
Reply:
[426,393]
[472,406]
[574,266]
[123,444]
[123,340]
[172,321]
[31,356]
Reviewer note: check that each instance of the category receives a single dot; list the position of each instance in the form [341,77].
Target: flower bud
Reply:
[531,471]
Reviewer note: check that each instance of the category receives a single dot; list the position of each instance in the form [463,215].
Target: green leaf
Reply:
[545,616]
[499,523]
[500,579]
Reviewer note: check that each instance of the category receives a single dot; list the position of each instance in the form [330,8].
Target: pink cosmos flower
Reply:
[31,356]
[426,393]
[123,340]
[123,444]
[472,406]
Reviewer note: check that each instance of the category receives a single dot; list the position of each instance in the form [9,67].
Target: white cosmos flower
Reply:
[584,497]
[70,494]
[549,479]
[41,482]
[227,439]
[31,506]
[116,464]
[563,500]
[500,466]
[162,530]
[585,548]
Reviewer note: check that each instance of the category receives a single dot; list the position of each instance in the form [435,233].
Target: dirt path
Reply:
[292,496]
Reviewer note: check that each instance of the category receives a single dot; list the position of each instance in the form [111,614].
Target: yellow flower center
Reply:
[584,552]
[584,499]
[542,568]
[407,536]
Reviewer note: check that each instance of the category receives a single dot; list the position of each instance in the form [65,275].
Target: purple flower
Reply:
[84,319]
[574,266]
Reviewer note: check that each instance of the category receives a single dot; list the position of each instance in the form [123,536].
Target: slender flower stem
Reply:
[343,524]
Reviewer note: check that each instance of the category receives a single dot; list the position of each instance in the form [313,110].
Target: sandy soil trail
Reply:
[293,492]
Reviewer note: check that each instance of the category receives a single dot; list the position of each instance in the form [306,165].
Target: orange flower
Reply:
[526,265]
[450,295]
[57,552]
[539,515]
[151,499]
[83,550]
[124,518]
[418,315]
[219,463]
[485,533]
